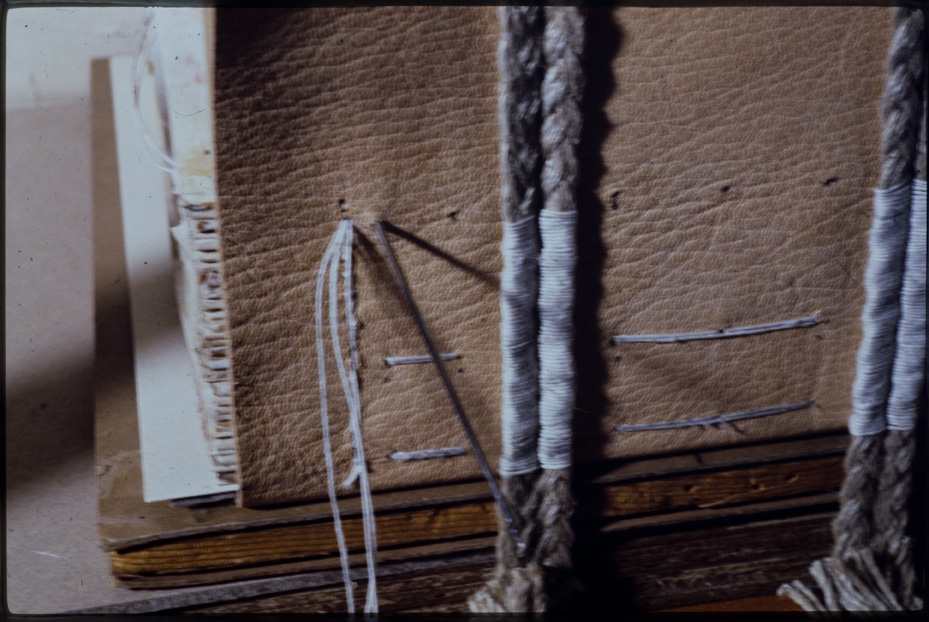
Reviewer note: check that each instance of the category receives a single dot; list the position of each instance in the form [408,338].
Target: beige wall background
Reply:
[53,561]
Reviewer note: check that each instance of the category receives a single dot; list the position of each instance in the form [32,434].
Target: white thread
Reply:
[714,419]
[47,554]
[413,360]
[199,290]
[518,292]
[153,152]
[882,280]
[427,454]
[910,360]
[192,502]
[353,399]
[324,418]
[721,333]
[342,241]
[358,463]
[557,260]
[367,503]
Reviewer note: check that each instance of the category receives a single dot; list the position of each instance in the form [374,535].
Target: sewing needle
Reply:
[459,410]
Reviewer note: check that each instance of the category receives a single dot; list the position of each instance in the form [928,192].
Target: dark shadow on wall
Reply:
[604,38]
[49,356]
[49,421]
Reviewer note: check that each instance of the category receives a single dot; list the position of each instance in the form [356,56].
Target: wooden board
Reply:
[631,572]
[718,490]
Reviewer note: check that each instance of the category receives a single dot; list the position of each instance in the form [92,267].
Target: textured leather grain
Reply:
[370,113]
[737,168]
[727,154]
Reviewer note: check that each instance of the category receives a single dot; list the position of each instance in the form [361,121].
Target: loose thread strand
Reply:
[324,418]
[340,251]
[353,397]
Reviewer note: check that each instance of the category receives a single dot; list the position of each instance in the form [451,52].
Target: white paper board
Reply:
[175,462]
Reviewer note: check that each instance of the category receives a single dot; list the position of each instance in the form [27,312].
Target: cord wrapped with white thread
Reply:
[519,280]
[537,412]
[556,337]
[882,280]
[909,364]
[519,56]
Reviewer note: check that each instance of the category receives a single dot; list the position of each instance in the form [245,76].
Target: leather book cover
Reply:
[727,161]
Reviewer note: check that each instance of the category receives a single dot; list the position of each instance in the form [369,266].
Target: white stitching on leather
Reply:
[413,360]
[722,333]
[714,419]
[427,454]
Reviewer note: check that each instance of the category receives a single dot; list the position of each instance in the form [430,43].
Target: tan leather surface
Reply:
[728,158]
[736,191]
[332,113]
[124,519]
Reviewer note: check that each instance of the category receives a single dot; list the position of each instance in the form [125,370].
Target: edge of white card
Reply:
[175,458]
[183,57]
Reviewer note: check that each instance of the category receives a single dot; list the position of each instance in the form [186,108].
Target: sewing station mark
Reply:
[724,419]
[722,333]
[427,454]
[392,361]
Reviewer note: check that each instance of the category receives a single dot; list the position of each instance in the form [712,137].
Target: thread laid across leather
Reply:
[730,192]
[719,189]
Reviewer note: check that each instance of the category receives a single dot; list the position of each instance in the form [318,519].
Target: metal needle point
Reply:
[459,410]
